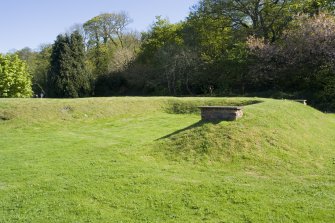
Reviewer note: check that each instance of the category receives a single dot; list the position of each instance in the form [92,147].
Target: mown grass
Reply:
[152,160]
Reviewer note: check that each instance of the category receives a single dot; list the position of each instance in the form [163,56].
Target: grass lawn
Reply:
[151,160]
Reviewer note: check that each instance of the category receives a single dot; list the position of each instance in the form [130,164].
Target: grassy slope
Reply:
[132,159]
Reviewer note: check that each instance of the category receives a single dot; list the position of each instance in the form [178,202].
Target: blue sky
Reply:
[30,23]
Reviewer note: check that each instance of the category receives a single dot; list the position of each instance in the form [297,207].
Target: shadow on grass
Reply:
[195,125]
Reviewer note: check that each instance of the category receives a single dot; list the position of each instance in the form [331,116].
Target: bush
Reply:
[15,80]
[110,84]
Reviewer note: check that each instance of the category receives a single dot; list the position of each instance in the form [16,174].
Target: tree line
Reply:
[274,48]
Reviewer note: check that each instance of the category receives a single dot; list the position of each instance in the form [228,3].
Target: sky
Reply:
[30,23]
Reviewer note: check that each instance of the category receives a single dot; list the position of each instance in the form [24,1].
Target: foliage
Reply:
[314,7]
[160,67]
[179,66]
[210,36]
[110,47]
[38,63]
[305,57]
[110,84]
[107,27]
[68,76]
[224,47]
[260,18]
[162,33]
[123,56]
[15,80]
[214,39]
[40,74]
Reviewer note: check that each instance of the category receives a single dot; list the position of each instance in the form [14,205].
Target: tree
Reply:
[105,34]
[68,76]
[157,45]
[107,27]
[262,18]
[28,55]
[220,45]
[315,7]
[179,65]
[15,80]
[123,57]
[303,61]
[210,36]
[162,33]
[38,65]
[42,66]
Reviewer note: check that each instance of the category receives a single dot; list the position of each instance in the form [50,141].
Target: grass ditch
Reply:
[6,116]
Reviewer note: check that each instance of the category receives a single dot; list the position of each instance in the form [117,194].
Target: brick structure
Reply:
[221,113]
[302,101]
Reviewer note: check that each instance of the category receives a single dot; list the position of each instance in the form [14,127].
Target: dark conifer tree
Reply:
[79,73]
[68,77]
